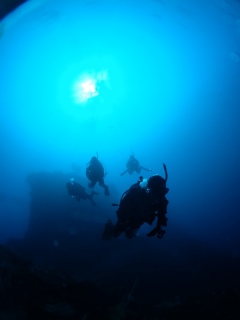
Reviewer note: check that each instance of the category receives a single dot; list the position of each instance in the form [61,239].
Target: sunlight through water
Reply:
[88,86]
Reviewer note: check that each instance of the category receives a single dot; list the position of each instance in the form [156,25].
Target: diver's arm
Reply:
[146,169]
[161,222]
[125,171]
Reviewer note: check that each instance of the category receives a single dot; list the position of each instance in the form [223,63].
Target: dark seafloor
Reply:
[62,269]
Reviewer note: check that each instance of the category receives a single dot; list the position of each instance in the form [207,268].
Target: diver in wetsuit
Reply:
[143,202]
[133,165]
[95,173]
[77,191]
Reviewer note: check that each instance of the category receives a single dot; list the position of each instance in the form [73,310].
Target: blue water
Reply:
[164,85]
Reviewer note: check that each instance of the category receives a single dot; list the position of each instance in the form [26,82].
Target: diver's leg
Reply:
[108,231]
[102,184]
[118,229]
[92,202]
[106,190]
[91,197]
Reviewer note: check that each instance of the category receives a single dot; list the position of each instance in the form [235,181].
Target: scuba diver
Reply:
[142,202]
[133,165]
[75,190]
[95,173]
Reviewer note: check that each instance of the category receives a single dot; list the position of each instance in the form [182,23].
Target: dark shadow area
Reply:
[62,269]
[7,6]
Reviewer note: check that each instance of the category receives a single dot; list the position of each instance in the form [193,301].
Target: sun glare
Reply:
[85,90]
[87,87]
